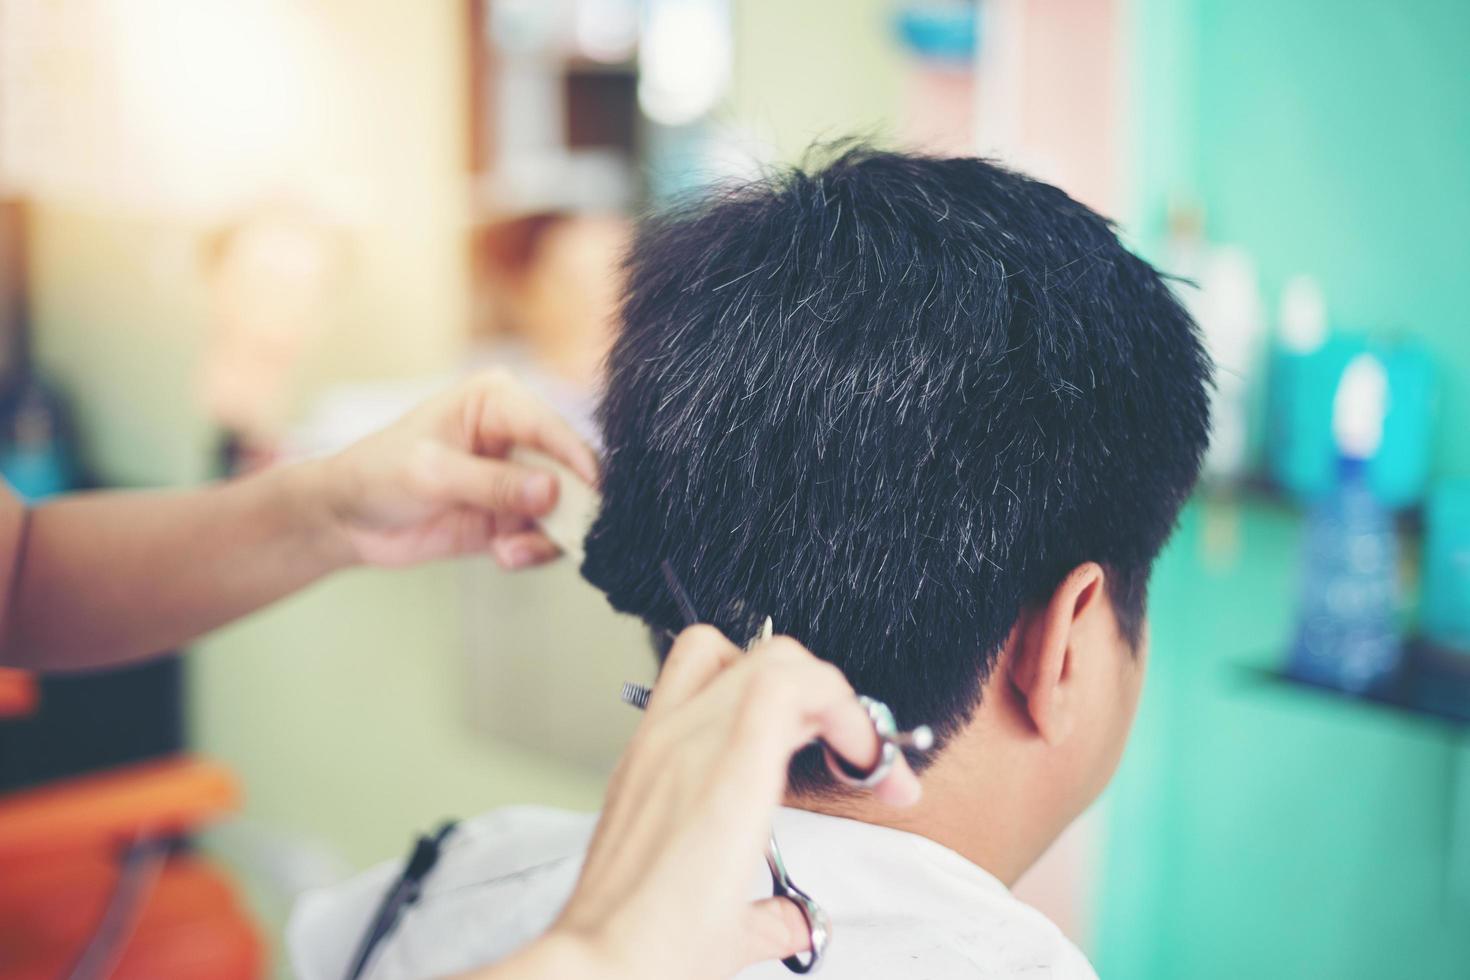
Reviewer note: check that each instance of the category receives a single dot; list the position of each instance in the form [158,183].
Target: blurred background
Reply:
[234,233]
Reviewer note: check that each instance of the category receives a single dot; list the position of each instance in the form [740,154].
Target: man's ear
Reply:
[1043,663]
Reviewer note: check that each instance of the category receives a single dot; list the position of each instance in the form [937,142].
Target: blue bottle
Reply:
[1346,630]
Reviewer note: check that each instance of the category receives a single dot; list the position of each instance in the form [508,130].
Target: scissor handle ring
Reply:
[886,728]
[818,927]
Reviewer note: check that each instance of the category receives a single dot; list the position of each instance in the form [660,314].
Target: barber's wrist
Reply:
[312,500]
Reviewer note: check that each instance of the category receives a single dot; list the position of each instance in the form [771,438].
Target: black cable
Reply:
[404,892]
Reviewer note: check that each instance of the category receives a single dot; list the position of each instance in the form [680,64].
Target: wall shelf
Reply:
[1424,692]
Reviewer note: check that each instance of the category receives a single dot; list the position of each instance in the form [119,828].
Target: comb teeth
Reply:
[636,694]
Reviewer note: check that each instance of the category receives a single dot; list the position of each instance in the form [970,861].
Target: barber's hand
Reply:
[437,482]
[664,891]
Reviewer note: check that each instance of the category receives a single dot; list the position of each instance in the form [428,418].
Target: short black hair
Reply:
[890,401]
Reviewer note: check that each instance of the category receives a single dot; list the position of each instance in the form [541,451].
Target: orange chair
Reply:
[18,694]
[70,849]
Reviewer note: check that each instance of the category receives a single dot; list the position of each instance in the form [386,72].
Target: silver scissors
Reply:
[890,738]
[819,926]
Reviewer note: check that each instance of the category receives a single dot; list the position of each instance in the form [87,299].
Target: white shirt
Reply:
[900,905]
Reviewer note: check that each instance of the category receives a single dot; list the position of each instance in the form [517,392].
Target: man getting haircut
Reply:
[889,403]
[936,421]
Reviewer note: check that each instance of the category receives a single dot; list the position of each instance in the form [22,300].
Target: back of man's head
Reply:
[891,402]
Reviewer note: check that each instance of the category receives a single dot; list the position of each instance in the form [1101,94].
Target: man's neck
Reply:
[975,804]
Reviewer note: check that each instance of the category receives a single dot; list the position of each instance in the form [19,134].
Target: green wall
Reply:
[1334,138]
[1259,832]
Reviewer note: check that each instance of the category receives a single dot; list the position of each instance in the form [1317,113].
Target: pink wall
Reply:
[1050,92]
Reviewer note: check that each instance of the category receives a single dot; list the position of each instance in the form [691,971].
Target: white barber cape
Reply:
[901,905]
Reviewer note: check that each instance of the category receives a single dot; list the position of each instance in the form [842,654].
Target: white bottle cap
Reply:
[1303,315]
[1230,312]
[1359,407]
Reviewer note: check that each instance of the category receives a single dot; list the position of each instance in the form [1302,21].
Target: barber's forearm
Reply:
[110,578]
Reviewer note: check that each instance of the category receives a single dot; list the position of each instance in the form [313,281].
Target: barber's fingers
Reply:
[774,929]
[826,707]
[493,486]
[791,696]
[900,787]
[847,729]
[699,654]
[523,549]
[509,415]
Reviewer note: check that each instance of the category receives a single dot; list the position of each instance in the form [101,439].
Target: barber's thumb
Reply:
[775,929]
[497,486]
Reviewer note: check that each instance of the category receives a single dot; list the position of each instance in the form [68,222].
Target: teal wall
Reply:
[1334,139]
[1259,832]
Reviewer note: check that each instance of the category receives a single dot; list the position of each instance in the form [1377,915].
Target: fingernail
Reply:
[516,556]
[537,492]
